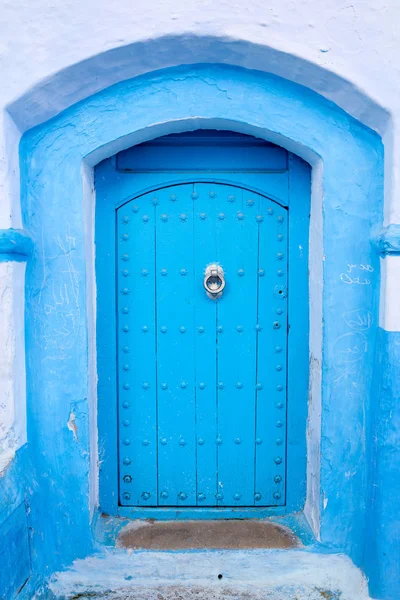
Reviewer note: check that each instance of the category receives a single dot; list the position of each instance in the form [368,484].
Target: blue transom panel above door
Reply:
[202,338]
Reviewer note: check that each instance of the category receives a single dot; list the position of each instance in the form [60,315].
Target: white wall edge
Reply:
[12,360]
[312,505]
[89,200]
[389,310]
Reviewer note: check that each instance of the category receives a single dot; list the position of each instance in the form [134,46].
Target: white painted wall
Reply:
[12,364]
[345,51]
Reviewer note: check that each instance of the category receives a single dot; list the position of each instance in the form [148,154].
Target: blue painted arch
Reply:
[348,188]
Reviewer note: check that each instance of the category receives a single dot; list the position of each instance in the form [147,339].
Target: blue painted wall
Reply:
[52,200]
[16,486]
[17,480]
[15,245]
[382,549]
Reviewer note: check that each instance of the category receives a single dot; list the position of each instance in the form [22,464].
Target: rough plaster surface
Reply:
[256,575]
[172,101]
[55,56]
[384,518]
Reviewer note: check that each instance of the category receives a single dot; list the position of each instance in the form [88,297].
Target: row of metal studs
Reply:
[200,496]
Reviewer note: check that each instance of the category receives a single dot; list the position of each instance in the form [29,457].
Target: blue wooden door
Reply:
[201,381]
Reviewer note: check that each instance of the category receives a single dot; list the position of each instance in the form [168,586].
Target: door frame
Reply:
[299,185]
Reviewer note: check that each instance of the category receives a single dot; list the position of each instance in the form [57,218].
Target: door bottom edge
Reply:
[165,513]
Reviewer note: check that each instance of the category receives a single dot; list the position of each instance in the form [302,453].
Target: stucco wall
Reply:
[54,206]
[54,55]
[57,54]
[339,41]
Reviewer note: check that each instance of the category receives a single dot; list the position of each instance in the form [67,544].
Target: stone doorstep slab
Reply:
[205,535]
[295,574]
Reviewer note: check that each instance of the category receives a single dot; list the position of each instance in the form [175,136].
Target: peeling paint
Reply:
[72,425]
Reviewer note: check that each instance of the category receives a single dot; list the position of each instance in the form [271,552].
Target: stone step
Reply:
[296,574]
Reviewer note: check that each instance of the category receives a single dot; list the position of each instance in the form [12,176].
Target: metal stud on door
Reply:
[202,328]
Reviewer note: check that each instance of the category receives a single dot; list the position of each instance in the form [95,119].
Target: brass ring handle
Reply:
[214,281]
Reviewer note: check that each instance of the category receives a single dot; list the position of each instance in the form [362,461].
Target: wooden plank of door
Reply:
[237,239]
[204,234]
[175,342]
[272,356]
[136,353]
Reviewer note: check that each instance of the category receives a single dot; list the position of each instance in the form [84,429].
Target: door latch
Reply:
[214,281]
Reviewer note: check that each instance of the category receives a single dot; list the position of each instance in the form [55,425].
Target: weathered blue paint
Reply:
[387,240]
[234,399]
[16,487]
[14,554]
[52,199]
[15,244]
[382,552]
[17,481]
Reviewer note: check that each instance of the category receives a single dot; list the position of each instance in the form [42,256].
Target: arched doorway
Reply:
[194,256]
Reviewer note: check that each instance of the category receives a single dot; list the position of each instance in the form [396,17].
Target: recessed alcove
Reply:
[59,202]
[207,399]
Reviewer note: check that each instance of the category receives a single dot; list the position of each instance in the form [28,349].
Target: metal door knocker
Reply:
[214,281]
